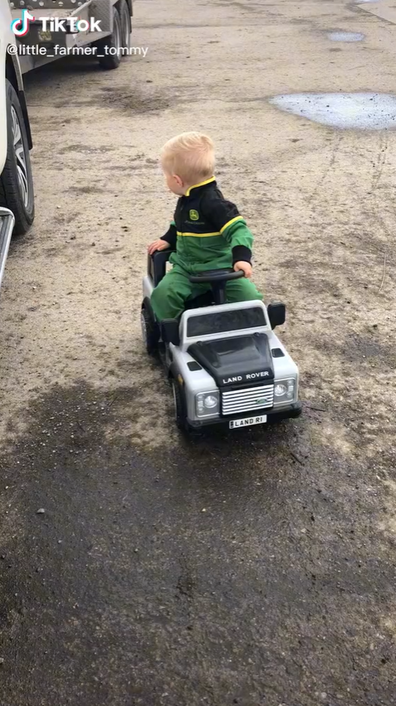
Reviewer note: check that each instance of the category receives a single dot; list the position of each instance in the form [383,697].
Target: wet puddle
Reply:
[345,36]
[348,111]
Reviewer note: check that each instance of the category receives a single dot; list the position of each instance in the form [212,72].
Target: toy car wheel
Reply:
[180,411]
[150,332]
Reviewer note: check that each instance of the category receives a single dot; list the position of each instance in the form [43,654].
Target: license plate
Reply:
[248,421]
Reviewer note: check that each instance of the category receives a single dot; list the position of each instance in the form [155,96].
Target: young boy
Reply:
[208,232]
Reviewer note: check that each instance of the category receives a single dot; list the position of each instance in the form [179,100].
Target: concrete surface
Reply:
[257,568]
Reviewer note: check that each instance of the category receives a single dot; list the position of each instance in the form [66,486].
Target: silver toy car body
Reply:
[225,363]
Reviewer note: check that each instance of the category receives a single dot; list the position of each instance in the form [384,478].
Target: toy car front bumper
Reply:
[273,415]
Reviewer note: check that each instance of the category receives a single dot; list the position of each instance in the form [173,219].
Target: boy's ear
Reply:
[178,180]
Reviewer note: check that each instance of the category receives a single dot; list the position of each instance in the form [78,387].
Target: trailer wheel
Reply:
[125,24]
[109,49]
[16,181]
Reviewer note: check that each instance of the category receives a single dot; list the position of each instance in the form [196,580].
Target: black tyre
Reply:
[179,406]
[16,181]
[125,24]
[150,331]
[109,49]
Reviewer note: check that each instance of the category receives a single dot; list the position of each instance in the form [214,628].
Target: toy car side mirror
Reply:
[170,331]
[276,314]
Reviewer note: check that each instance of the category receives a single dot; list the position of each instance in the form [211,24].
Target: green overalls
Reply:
[209,234]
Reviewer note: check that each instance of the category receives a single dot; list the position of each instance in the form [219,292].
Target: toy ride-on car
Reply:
[225,363]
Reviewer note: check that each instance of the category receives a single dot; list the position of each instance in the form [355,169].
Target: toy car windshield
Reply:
[225,321]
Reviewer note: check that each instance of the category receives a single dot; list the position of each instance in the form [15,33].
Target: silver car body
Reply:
[200,381]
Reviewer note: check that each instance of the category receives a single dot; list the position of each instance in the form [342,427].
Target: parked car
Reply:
[16,182]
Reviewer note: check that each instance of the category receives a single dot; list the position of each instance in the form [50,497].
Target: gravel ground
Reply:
[257,568]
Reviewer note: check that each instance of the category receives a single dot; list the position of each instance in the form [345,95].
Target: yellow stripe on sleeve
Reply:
[233,220]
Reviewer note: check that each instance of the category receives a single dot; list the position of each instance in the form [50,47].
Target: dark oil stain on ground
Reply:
[122,100]
[137,101]
[85,149]
[231,569]
[87,189]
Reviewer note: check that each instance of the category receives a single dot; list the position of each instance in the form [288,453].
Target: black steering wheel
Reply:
[209,276]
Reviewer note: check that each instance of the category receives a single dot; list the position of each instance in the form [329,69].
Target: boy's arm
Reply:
[167,241]
[231,225]
[171,236]
[241,240]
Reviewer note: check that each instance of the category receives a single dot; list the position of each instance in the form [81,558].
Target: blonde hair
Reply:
[190,156]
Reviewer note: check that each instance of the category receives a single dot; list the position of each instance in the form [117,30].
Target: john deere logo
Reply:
[194,215]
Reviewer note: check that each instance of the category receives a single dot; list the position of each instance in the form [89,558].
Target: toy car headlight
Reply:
[284,391]
[207,404]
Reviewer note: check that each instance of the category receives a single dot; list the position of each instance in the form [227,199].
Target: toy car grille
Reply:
[249,400]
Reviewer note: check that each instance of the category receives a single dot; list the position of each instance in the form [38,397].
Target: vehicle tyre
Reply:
[16,181]
[179,406]
[125,24]
[112,44]
[150,331]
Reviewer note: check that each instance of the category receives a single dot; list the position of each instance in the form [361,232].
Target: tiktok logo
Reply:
[20,27]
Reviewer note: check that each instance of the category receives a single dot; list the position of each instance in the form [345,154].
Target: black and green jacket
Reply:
[208,232]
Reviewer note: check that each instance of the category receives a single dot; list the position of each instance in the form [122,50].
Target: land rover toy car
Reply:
[224,361]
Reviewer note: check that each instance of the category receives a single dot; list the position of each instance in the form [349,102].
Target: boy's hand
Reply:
[157,245]
[245,267]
